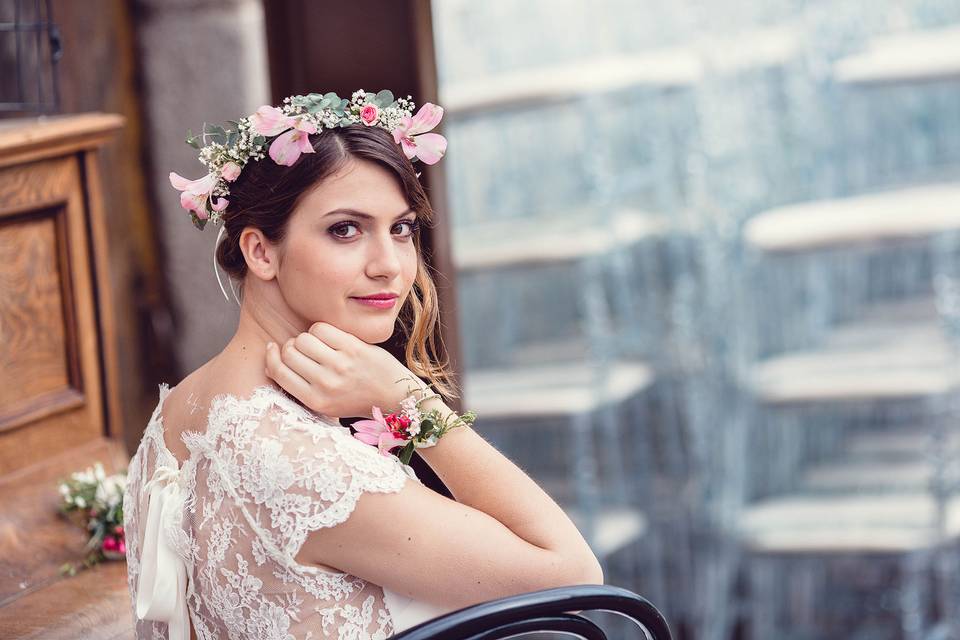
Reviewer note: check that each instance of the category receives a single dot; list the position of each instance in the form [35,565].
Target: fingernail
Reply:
[270,345]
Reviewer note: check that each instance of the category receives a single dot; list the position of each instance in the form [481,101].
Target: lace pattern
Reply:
[262,476]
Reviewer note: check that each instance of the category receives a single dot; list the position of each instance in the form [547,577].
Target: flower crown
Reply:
[283,133]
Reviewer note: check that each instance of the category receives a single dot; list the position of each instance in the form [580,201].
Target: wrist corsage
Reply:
[94,501]
[409,428]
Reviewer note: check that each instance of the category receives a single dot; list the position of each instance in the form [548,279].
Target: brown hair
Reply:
[266,194]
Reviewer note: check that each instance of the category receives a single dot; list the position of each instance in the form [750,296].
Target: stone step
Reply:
[667,68]
[897,445]
[898,351]
[918,56]
[868,477]
[817,524]
[554,390]
[563,239]
[897,215]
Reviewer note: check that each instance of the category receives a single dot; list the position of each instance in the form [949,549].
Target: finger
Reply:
[285,376]
[317,350]
[308,369]
[332,336]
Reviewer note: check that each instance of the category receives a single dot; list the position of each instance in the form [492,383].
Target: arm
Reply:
[480,476]
[503,536]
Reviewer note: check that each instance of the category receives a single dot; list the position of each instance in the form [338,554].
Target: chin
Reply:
[374,334]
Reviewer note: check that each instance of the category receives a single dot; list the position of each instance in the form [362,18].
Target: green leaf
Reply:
[332,97]
[384,98]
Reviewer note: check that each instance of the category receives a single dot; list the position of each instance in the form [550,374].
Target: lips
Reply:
[378,300]
[378,296]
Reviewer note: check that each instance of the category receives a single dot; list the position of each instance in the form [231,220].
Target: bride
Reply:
[250,511]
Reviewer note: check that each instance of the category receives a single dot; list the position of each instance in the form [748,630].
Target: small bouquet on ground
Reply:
[409,428]
[94,501]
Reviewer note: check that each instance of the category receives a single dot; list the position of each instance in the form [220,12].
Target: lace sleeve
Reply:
[298,474]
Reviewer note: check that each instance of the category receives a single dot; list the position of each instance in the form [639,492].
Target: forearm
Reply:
[478,475]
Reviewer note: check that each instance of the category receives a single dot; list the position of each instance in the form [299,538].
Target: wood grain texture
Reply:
[24,140]
[99,248]
[34,539]
[94,604]
[32,340]
[46,408]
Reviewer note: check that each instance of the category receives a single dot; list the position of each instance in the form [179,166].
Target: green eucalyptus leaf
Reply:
[384,98]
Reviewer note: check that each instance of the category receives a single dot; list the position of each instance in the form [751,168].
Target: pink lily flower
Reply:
[269,121]
[412,134]
[196,193]
[286,149]
[376,432]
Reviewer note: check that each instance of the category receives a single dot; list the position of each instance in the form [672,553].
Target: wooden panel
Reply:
[109,357]
[33,341]
[49,367]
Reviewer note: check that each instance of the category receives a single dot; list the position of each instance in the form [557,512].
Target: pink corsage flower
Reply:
[369,114]
[195,194]
[412,134]
[383,432]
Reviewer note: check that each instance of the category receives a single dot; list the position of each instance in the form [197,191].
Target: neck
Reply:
[264,317]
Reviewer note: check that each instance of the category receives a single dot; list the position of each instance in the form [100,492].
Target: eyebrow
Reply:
[361,214]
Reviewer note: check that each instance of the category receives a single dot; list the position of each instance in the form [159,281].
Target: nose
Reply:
[383,261]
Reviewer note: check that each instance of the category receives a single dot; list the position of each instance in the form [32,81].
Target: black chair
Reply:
[546,610]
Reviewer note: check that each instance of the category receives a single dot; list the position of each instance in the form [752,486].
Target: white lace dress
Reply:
[216,538]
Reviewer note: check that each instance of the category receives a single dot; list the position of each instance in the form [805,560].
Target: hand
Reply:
[336,374]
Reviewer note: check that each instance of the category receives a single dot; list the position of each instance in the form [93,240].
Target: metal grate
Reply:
[30,48]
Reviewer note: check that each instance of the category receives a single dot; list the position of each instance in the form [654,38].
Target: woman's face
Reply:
[350,238]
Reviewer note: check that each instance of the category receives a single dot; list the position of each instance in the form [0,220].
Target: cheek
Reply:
[314,268]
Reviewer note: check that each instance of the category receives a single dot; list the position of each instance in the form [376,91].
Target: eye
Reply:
[412,225]
[340,230]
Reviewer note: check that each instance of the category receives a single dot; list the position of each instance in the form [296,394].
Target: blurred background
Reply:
[699,262]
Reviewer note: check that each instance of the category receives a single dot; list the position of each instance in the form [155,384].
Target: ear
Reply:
[260,254]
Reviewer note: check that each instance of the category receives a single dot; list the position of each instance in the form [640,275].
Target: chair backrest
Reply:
[546,610]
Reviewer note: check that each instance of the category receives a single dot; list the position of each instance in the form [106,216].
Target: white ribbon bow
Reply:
[162,584]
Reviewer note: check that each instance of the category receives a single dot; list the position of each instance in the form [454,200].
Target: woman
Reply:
[249,515]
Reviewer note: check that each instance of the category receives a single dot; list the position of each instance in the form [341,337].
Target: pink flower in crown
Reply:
[380,432]
[412,134]
[369,114]
[295,136]
[230,171]
[196,193]
[269,121]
